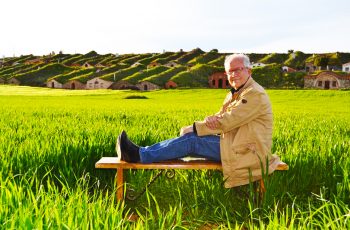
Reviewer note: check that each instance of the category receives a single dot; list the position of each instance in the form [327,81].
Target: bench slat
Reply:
[115,163]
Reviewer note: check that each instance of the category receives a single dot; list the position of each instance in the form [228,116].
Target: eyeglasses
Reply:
[237,70]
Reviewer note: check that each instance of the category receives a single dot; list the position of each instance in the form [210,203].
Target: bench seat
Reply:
[185,163]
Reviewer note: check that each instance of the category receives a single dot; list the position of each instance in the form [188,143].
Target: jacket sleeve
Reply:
[246,110]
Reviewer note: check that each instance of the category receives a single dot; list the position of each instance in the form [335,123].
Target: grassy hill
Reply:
[136,58]
[328,59]
[84,78]
[63,78]
[91,60]
[148,60]
[20,60]
[205,57]
[39,76]
[255,57]
[274,58]
[197,76]
[296,60]
[218,62]
[118,67]
[119,59]
[268,76]
[172,57]
[21,69]
[161,78]
[73,58]
[189,56]
[136,77]
[123,73]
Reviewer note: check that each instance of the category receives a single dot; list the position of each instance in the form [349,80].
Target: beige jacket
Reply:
[245,135]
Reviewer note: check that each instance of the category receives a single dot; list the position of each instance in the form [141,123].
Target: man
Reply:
[239,135]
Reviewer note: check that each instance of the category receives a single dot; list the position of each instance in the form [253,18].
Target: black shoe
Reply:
[126,149]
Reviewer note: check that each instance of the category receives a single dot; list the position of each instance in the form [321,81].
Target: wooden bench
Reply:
[115,163]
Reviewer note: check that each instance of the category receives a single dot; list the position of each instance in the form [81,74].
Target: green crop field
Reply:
[51,139]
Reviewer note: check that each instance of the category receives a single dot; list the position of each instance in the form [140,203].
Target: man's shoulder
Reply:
[258,87]
[254,88]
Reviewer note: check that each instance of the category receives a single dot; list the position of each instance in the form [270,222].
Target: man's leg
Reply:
[188,144]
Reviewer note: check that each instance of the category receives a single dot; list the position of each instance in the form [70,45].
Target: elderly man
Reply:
[239,135]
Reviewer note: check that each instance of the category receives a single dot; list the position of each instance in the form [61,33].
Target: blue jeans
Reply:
[187,145]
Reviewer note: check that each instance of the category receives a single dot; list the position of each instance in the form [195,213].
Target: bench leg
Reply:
[262,188]
[120,184]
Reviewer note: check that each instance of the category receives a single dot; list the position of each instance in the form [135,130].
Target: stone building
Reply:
[54,84]
[218,80]
[87,65]
[122,85]
[171,64]
[170,85]
[74,84]
[288,69]
[153,64]
[327,80]
[97,83]
[146,86]
[13,81]
[310,67]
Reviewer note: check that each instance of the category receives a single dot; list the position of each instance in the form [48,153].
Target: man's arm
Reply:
[247,109]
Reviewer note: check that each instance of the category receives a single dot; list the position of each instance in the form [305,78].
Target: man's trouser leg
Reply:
[188,144]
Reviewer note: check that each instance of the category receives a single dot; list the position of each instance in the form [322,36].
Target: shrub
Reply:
[269,76]
[135,97]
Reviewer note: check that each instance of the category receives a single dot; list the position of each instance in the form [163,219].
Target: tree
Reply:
[321,61]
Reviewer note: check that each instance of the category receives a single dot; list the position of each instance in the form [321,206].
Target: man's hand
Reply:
[212,122]
[186,129]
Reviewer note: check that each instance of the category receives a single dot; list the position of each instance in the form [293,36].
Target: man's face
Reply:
[237,74]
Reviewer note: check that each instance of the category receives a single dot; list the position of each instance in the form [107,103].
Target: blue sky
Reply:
[134,26]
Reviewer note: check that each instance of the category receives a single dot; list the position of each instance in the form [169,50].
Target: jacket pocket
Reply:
[246,157]
[244,148]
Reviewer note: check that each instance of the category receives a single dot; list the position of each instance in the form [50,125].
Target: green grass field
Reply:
[51,139]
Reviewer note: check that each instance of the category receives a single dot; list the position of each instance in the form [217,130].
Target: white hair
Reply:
[229,59]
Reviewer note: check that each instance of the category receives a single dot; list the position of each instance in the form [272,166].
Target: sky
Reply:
[138,26]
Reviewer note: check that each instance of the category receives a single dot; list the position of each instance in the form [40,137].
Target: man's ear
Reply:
[250,71]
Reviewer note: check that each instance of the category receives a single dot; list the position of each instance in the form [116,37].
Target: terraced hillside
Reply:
[185,68]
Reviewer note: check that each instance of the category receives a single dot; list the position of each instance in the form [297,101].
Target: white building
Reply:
[258,64]
[54,84]
[346,67]
[171,64]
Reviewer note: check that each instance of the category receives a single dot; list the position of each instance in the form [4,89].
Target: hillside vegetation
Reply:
[192,67]
[39,76]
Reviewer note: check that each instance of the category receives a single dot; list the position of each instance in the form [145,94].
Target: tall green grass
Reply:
[51,139]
